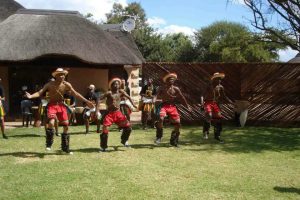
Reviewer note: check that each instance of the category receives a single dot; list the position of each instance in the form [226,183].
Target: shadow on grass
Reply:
[86,150]
[287,189]
[29,154]
[93,150]
[246,140]
[150,146]
[25,135]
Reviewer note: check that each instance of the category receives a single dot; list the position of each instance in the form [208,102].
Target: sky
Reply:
[167,16]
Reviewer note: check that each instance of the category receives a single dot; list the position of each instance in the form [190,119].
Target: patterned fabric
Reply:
[148,107]
[2,112]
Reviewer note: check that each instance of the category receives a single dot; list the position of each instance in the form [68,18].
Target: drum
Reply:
[140,107]
[148,104]
[241,107]
[44,102]
[79,110]
[127,103]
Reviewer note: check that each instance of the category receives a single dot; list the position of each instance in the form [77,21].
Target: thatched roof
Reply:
[30,34]
[125,37]
[7,8]
[296,59]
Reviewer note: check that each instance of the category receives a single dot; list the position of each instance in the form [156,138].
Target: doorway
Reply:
[31,77]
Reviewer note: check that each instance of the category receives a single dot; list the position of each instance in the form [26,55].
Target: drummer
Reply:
[147,93]
[92,114]
[70,102]
[125,105]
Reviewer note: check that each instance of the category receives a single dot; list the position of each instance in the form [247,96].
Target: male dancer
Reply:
[169,95]
[210,102]
[2,112]
[56,107]
[114,115]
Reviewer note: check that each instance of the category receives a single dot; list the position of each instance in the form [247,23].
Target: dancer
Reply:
[56,107]
[114,115]
[210,101]
[169,94]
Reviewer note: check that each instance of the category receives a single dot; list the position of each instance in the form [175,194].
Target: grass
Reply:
[254,163]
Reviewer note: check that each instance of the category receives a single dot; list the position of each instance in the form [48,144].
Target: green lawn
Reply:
[254,163]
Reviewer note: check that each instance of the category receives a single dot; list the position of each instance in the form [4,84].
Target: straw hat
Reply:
[169,75]
[113,80]
[59,71]
[217,75]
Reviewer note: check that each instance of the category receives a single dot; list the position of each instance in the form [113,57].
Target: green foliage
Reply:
[220,42]
[232,42]
[178,48]
[153,46]
[279,20]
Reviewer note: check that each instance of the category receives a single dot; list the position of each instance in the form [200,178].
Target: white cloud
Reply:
[287,54]
[97,7]
[156,21]
[177,29]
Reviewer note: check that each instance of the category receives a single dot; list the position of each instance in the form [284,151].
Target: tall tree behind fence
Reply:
[273,88]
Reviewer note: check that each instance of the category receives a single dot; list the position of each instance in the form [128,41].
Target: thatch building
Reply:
[35,42]
[7,8]
[296,59]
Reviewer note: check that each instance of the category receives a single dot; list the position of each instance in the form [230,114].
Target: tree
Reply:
[178,48]
[279,19]
[119,14]
[148,41]
[232,42]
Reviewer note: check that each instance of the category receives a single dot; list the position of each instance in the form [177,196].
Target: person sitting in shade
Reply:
[114,115]
[169,95]
[56,107]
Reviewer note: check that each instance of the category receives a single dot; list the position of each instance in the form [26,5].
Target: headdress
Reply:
[169,75]
[59,71]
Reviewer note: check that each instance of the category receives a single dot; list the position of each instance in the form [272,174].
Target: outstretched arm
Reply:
[183,98]
[37,94]
[103,96]
[79,96]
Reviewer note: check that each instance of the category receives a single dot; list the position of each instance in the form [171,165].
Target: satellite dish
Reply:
[128,25]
